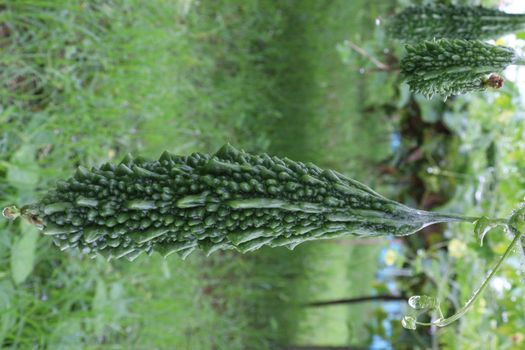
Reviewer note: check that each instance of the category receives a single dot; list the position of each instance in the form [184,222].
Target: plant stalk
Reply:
[442,322]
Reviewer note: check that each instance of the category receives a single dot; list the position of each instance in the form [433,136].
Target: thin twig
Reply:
[380,65]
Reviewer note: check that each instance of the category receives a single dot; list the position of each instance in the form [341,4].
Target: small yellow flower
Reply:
[500,42]
[456,248]
[390,257]
[111,153]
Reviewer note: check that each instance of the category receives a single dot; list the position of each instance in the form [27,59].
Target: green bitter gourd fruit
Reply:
[418,23]
[229,200]
[451,67]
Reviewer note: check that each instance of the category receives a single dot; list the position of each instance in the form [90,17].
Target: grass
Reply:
[86,82]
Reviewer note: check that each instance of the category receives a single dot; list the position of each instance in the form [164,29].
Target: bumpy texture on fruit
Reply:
[229,200]
[451,67]
[418,23]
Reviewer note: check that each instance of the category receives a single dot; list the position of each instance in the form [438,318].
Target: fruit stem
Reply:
[454,218]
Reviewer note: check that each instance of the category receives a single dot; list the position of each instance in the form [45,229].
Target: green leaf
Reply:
[22,178]
[23,253]
[483,226]
[23,170]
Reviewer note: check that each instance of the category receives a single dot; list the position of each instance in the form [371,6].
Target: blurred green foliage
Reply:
[85,82]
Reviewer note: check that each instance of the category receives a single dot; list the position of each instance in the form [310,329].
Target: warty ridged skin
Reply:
[229,200]
[450,67]
[417,23]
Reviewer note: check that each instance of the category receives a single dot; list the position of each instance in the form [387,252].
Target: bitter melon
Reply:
[229,200]
[418,23]
[451,67]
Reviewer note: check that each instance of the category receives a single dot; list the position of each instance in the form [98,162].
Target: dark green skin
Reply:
[417,23]
[230,200]
[452,67]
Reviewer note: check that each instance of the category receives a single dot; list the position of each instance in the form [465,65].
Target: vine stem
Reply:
[442,322]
